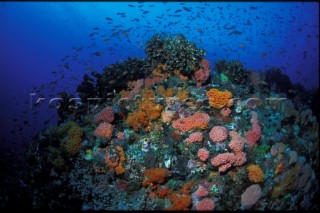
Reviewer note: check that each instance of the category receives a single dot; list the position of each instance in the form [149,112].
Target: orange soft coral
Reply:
[156,175]
[255,174]
[181,76]
[181,200]
[148,105]
[137,120]
[115,162]
[147,110]
[219,99]
[163,192]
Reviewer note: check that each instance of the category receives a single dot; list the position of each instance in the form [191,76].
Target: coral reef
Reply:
[170,133]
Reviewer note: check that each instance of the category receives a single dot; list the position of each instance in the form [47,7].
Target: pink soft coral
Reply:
[194,137]
[236,143]
[226,160]
[225,112]
[202,74]
[253,135]
[198,120]
[202,192]
[203,154]
[218,134]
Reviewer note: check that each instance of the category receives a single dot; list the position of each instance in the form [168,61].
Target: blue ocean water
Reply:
[47,47]
[36,36]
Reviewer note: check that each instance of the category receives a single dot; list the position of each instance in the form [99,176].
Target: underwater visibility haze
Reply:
[159,105]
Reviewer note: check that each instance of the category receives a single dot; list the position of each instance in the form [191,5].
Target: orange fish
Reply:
[242,45]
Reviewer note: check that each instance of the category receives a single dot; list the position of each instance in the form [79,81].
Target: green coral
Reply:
[224,78]
[234,71]
[176,52]
[262,149]
[72,137]
[55,157]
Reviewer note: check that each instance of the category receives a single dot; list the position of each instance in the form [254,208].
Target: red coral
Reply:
[121,136]
[106,115]
[202,192]
[104,130]
[205,205]
[163,192]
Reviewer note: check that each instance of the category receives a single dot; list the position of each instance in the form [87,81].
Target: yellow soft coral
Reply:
[219,99]
[165,92]
[255,173]
[160,71]
[182,94]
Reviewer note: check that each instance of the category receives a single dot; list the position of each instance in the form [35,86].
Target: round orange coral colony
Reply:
[219,99]
[255,173]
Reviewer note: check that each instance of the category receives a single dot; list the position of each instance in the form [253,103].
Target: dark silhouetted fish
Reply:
[235,32]
[98,53]
[230,28]
[187,9]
